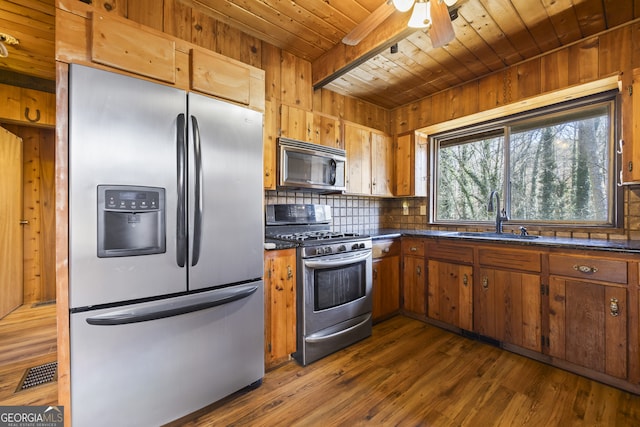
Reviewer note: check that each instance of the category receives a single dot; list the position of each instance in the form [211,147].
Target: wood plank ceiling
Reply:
[490,35]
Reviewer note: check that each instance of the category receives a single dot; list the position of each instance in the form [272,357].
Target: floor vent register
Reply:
[38,375]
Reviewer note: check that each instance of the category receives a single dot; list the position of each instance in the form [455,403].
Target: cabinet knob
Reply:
[614,308]
[289,272]
[413,249]
[485,283]
[465,279]
[418,270]
[385,250]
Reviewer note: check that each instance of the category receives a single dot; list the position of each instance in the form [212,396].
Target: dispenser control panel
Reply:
[131,201]
[131,221]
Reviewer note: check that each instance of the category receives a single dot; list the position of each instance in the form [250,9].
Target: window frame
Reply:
[611,98]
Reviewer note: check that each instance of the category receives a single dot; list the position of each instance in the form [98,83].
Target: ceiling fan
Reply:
[431,14]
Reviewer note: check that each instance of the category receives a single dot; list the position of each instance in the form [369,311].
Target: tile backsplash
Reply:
[362,214]
[359,214]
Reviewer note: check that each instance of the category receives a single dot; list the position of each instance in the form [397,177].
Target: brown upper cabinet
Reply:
[369,161]
[122,44]
[411,165]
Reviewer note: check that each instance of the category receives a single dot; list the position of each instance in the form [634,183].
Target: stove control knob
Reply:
[328,250]
[361,245]
[342,248]
[355,246]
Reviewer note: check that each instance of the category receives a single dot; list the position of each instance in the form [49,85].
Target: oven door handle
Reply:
[318,337]
[322,262]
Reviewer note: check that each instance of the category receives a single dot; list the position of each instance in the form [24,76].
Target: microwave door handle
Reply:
[337,262]
[181,226]
[197,214]
[333,173]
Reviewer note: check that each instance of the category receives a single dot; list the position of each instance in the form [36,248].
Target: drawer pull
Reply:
[585,269]
[614,308]
[385,250]
[413,249]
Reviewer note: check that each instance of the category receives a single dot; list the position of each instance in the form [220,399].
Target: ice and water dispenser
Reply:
[131,220]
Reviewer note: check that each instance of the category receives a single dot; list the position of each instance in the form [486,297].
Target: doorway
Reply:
[32,186]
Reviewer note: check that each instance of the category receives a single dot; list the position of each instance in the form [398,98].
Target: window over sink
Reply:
[552,166]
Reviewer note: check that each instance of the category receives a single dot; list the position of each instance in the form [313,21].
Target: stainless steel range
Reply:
[334,279]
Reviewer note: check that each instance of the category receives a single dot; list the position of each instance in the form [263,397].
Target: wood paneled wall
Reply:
[193,25]
[613,52]
[39,210]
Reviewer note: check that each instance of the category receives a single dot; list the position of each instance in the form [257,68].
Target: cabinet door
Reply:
[414,285]
[381,164]
[358,146]
[508,307]
[386,286]
[296,123]
[326,131]
[631,130]
[588,325]
[411,165]
[450,293]
[280,305]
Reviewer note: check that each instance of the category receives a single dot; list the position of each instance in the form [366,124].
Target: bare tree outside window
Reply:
[559,169]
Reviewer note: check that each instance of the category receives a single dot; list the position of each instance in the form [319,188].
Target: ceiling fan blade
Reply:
[369,24]
[441,31]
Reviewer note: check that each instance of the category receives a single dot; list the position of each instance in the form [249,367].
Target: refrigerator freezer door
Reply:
[149,373]
[122,131]
[225,208]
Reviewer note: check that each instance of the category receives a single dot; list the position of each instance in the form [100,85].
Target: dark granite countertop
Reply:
[628,246]
[273,244]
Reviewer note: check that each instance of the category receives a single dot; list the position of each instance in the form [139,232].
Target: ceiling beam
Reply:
[342,58]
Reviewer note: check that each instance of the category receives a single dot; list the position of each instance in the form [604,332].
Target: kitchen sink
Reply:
[494,235]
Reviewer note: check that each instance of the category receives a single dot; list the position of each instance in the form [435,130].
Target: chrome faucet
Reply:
[501,215]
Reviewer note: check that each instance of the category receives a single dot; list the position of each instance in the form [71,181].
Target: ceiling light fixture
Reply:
[8,39]
[421,15]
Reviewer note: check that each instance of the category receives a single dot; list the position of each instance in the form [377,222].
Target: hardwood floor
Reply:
[407,373]
[27,339]
[410,373]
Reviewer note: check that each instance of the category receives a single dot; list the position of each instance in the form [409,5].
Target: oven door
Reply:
[337,288]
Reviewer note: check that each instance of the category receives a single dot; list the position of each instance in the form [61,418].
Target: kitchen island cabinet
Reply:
[280,306]
[386,278]
[414,277]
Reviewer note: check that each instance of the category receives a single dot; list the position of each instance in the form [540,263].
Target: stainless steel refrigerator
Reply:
[166,239]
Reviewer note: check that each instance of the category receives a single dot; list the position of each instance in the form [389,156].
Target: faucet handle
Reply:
[503,214]
[523,232]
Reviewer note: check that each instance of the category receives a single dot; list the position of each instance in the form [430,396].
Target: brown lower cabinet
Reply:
[386,278]
[414,277]
[575,309]
[279,306]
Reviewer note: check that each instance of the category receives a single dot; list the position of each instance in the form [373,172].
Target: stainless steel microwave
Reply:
[310,167]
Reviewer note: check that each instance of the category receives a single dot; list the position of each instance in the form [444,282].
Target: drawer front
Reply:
[510,258]
[411,246]
[608,270]
[449,252]
[385,248]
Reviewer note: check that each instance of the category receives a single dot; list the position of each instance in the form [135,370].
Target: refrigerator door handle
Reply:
[197,215]
[181,226]
[173,306]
